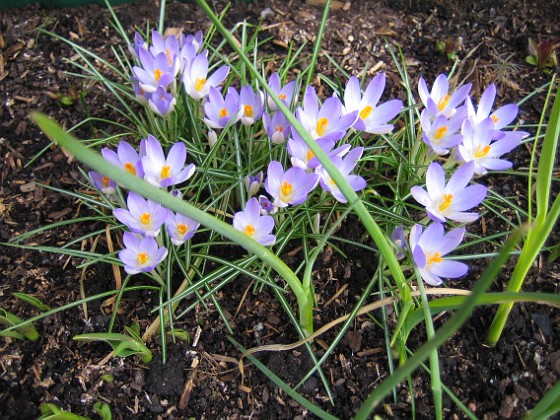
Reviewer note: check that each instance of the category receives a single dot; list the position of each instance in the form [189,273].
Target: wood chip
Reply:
[30,186]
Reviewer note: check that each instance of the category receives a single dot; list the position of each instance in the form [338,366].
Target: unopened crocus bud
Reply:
[212,138]
[253,183]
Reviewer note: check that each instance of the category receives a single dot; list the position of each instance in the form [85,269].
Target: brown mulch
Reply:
[200,381]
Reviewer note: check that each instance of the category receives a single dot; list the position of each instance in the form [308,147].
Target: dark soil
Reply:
[203,381]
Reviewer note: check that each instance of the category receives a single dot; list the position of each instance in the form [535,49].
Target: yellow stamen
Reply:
[168,55]
[322,125]
[282,96]
[130,168]
[310,155]
[157,74]
[249,230]
[481,152]
[182,229]
[142,258]
[279,128]
[248,111]
[145,218]
[434,258]
[495,119]
[440,132]
[364,113]
[105,182]
[199,84]
[223,113]
[286,188]
[447,199]
[165,172]
[443,103]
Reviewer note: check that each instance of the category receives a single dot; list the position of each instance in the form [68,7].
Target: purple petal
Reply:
[449,269]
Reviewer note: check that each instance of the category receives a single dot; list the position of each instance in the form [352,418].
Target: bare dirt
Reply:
[201,381]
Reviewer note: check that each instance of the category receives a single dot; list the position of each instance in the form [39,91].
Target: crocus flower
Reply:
[104,184]
[501,117]
[169,46]
[251,105]
[290,187]
[219,111]
[161,102]
[253,224]
[155,71]
[141,254]
[327,121]
[477,146]
[267,207]
[450,201]
[278,128]
[196,80]
[180,228]
[303,157]
[398,239]
[372,118]
[285,93]
[429,248]
[441,133]
[161,171]
[139,43]
[143,216]
[253,183]
[439,101]
[126,157]
[345,166]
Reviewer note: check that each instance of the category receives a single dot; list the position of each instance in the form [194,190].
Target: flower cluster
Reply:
[450,122]
[145,218]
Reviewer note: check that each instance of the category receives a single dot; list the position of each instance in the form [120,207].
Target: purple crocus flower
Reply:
[285,93]
[219,111]
[253,183]
[501,117]
[155,71]
[161,102]
[400,242]
[139,43]
[290,187]
[126,157]
[327,121]
[278,128]
[253,224]
[251,105]
[450,201]
[169,46]
[267,207]
[141,254]
[161,171]
[180,228]
[104,184]
[477,146]
[440,101]
[372,118]
[303,157]
[441,133]
[429,248]
[143,216]
[196,80]
[345,166]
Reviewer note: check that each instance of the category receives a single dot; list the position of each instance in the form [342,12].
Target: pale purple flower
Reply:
[169,46]
[285,93]
[253,183]
[196,80]
[290,187]
[278,128]
[267,207]
[372,118]
[161,102]
[180,228]
[139,43]
[478,147]
[140,94]
[253,224]
[429,248]
[155,71]
[327,121]
[143,216]
[104,184]
[400,242]
[450,201]
[219,111]
[303,157]
[126,157]
[439,101]
[501,117]
[344,166]
[161,171]
[141,254]
[251,105]
[441,133]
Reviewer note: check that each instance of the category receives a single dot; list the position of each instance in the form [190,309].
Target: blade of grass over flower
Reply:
[369,223]
[543,222]
[444,333]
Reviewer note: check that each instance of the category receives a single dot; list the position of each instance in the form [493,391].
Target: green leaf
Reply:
[22,332]
[51,412]
[122,344]
[532,60]
[103,410]
[33,301]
